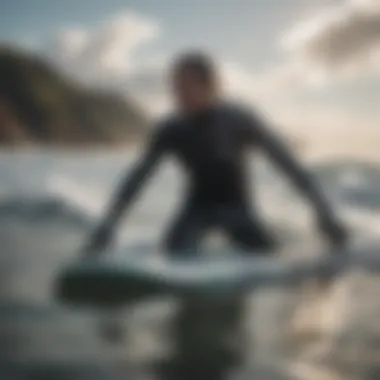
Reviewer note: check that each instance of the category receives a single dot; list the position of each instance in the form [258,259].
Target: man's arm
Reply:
[128,190]
[130,186]
[258,133]
[281,155]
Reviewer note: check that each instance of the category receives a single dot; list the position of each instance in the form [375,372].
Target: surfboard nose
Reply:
[96,285]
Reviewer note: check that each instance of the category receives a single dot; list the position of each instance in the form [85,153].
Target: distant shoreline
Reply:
[90,148]
[128,148]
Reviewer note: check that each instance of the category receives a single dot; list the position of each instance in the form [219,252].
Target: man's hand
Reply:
[338,236]
[334,231]
[99,241]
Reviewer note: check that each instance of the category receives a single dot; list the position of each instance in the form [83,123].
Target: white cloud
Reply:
[340,40]
[71,43]
[106,52]
[106,57]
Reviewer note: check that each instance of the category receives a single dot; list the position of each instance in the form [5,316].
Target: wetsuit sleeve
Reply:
[158,144]
[257,132]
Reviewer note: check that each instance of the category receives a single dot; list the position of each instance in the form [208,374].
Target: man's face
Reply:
[190,92]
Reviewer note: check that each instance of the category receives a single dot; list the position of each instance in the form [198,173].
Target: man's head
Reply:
[195,81]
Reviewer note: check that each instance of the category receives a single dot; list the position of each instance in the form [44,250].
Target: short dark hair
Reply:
[200,64]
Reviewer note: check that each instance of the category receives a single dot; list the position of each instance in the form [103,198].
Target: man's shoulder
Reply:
[165,129]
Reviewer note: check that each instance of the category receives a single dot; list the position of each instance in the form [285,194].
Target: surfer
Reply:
[210,138]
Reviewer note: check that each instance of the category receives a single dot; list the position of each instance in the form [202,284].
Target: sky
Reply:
[311,66]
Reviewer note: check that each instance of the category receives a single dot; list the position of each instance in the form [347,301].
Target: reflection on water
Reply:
[291,334]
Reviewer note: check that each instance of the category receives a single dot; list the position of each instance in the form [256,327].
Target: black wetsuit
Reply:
[212,147]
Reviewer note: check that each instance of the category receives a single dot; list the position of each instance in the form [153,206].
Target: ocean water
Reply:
[50,202]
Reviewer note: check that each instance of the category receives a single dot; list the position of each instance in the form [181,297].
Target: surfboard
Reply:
[113,282]
[117,281]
